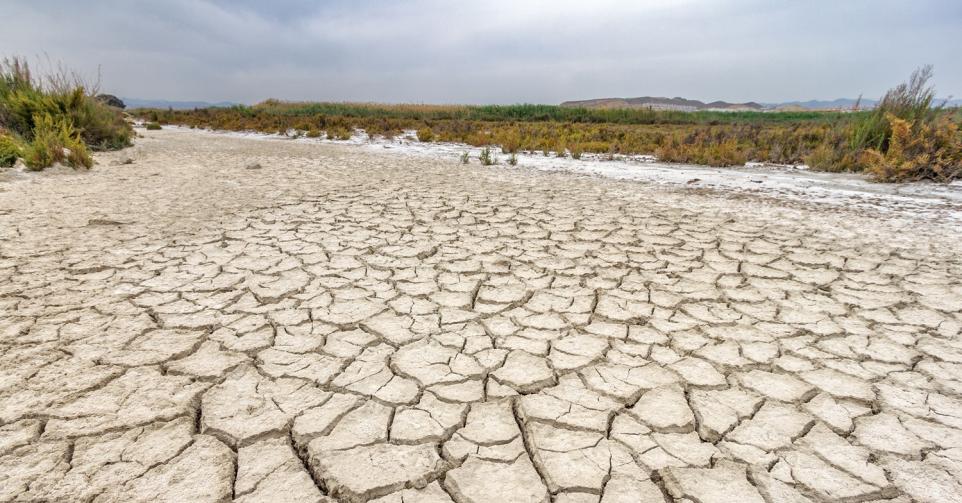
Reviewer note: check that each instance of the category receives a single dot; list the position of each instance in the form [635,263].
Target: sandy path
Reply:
[346,325]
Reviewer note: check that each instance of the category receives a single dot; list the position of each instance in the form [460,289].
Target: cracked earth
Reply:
[345,325]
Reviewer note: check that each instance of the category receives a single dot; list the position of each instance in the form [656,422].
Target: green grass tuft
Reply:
[11,149]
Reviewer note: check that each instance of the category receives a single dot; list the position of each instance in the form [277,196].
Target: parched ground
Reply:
[346,325]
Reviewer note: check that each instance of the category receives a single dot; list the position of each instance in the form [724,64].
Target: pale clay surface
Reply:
[347,325]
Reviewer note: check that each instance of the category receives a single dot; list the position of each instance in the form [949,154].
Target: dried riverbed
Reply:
[347,324]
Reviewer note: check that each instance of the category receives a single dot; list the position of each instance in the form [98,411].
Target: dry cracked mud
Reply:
[343,325]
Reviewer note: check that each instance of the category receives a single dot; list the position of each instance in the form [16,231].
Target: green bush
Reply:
[10,150]
[341,134]
[425,134]
[23,97]
[100,126]
[71,107]
[56,141]
[823,158]
[152,126]
[931,150]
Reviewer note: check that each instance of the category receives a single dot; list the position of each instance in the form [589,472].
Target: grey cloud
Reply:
[499,51]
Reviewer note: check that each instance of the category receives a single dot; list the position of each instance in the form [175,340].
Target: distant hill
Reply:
[176,105]
[659,103]
[686,105]
[843,104]
[838,104]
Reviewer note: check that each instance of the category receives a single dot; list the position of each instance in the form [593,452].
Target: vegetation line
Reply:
[905,138]
[54,119]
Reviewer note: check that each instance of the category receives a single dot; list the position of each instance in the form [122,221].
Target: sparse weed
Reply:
[513,160]
[486,157]
[152,126]
[465,158]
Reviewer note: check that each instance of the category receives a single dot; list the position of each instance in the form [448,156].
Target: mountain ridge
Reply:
[662,103]
[683,104]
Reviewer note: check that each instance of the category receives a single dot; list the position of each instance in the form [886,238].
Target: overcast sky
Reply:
[492,51]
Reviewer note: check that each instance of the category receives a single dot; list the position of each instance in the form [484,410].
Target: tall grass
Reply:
[909,101]
[57,111]
[527,113]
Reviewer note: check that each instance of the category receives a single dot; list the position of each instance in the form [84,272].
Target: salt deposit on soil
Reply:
[931,201]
